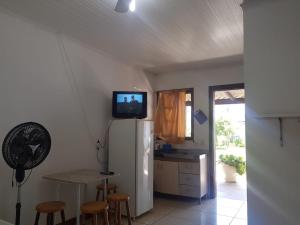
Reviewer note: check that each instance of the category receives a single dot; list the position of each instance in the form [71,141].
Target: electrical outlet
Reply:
[98,145]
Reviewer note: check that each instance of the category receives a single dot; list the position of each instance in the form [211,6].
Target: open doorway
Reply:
[229,139]
[227,155]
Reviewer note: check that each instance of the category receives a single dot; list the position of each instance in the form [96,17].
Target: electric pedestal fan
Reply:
[25,147]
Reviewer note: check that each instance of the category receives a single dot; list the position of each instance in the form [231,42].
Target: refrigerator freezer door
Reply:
[144,169]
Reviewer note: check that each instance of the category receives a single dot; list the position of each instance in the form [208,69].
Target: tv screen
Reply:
[129,104]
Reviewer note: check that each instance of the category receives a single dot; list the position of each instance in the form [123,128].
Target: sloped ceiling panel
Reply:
[158,33]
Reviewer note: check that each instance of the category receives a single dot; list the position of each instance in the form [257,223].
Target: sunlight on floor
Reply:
[220,211]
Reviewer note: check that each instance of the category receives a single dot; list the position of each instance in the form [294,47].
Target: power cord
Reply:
[26,179]
[102,143]
[12,178]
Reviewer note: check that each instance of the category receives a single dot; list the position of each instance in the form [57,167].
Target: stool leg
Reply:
[119,213]
[116,213]
[48,219]
[108,193]
[100,219]
[83,219]
[62,215]
[52,218]
[103,195]
[110,211]
[37,217]
[98,194]
[128,213]
[94,219]
[106,217]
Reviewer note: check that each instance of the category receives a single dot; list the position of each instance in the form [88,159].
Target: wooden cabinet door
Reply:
[168,181]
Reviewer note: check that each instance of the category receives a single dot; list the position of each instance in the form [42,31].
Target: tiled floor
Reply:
[235,191]
[220,211]
[229,208]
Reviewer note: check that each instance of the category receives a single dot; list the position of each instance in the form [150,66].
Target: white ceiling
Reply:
[158,33]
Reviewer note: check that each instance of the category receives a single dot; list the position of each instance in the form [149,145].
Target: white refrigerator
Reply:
[130,154]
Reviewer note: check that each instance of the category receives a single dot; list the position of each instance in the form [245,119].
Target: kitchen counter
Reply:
[174,159]
[181,173]
[179,155]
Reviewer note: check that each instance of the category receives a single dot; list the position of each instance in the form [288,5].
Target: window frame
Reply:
[191,103]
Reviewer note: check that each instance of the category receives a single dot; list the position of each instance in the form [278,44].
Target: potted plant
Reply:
[232,165]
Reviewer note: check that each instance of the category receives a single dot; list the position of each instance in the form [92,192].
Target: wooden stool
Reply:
[110,188]
[95,208]
[50,208]
[116,199]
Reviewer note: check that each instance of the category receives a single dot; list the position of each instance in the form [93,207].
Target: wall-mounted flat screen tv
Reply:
[129,104]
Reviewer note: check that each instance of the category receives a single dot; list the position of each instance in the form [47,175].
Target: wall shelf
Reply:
[280,117]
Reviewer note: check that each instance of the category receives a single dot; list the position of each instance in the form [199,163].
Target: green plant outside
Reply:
[225,134]
[239,142]
[237,162]
[223,127]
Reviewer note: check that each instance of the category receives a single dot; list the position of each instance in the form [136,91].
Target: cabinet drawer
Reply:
[189,179]
[189,191]
[187,167]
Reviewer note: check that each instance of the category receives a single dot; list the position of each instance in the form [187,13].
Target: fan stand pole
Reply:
[18,205]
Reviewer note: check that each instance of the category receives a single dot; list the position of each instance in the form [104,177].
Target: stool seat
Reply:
[50,207]
[118,197]
[94,207]
[109,187]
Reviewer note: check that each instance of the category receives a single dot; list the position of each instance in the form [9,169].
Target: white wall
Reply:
[200,80]
[48,78]
[272,53]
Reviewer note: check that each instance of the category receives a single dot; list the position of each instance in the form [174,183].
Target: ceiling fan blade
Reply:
[122,6]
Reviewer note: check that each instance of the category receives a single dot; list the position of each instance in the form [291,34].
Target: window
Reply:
[189,126]
[189,119]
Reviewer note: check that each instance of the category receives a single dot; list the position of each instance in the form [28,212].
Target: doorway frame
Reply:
[212,183]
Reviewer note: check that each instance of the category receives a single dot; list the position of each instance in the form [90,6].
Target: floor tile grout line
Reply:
[206,213]
[164,216]
[200,210]
[245,203]
[216,213]
[231,221]
[239,210]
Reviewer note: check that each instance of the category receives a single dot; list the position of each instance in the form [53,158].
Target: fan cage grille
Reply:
[26,146]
